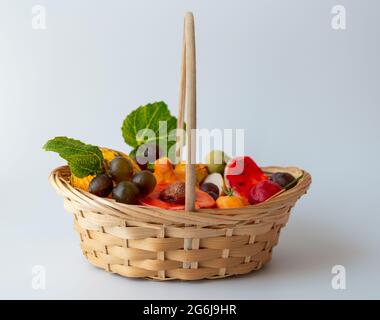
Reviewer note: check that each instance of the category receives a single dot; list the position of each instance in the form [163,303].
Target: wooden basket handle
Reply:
[187,98]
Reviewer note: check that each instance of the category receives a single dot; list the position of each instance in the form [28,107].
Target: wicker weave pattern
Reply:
[138,241]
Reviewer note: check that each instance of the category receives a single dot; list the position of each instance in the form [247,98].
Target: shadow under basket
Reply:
[148,242]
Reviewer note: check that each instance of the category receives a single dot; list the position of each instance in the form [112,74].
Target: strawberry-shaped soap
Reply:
[241,173]
[263,191]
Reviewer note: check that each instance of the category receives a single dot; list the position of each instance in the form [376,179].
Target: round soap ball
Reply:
[145,181]
[126,192]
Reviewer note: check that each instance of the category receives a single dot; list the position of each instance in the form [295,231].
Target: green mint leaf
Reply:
[83,159]
[145,121]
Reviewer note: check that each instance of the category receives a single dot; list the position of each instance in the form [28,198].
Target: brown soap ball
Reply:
[175,193]
[101,185]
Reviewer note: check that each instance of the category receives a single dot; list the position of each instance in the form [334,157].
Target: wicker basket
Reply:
[148,242]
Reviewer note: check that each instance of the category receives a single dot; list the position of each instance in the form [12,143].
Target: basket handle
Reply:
[187,98]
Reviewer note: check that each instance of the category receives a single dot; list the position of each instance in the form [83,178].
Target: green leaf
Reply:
[143,125]
[83,159]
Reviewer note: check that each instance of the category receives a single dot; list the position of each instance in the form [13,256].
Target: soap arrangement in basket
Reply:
[147,214]
[152,180]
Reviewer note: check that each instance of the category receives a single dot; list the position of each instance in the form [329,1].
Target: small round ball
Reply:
[216,161]
[283,179]
[126,192]
[101,185]
[121,169]
[145,181]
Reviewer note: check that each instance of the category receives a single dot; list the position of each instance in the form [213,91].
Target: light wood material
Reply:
[181,99]
[150,242]
[190,103]
[187,100]
[140,241]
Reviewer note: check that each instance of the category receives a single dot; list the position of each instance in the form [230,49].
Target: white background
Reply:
[306,95]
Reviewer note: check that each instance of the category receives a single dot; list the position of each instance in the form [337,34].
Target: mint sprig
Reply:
[83,159]
[143,126]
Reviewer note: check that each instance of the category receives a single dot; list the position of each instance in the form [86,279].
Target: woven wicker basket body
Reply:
[149,242]
[138,241]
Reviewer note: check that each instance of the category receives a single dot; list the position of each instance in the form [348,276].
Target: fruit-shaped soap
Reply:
[263,191]
[241,173]
[108,155]
[145,181]
[126,192]
[201,171]
[284,179]
[171,197]
[101,185]
[121,169]
[230,202]
[216,161]
[217,180]
[211,189]
[174,193]
[164,171]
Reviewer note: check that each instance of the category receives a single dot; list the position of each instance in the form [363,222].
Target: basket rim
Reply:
[59,178]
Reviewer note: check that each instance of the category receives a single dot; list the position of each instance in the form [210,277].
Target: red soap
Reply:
[263,191]
[241,173]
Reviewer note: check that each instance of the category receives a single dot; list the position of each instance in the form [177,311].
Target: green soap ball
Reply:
[216,161]
[216,168]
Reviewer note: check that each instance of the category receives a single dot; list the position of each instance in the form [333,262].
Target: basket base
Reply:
[110,258]
[180,274]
